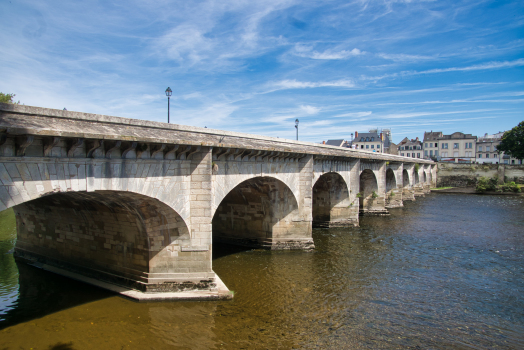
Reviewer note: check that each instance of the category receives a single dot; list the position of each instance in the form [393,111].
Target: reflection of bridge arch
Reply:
[116,236]
[330,200]
[257,212]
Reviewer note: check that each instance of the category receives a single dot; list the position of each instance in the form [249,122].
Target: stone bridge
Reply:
[135,206]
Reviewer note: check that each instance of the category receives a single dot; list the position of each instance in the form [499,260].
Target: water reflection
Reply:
[442,272]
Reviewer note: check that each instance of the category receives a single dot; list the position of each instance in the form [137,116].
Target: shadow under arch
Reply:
[330,200]
[405,178]
[258,212]
[368,186]
[391,181]
[425,178]
[114,236]
[417,180]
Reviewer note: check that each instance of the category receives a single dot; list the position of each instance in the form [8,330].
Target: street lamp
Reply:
[168,94]
[296,126]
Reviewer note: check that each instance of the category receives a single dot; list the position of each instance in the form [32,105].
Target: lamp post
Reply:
[168,94]
[296,126]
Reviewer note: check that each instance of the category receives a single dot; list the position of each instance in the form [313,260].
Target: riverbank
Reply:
[471,190]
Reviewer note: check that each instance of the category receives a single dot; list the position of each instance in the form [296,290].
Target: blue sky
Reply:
[256,66]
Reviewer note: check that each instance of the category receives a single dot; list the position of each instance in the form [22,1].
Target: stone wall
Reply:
[466,175]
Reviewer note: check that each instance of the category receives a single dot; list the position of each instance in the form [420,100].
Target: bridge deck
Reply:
[24,120]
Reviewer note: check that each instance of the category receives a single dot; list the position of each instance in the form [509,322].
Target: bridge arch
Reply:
[391,181]
[257,212]
[425,178]
[330,200]
[416,177]
[405,178]
[368,186]
[120,237]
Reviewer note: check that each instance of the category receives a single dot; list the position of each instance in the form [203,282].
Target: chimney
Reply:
[381,139]
[416,139]
[323,142]
[356,134]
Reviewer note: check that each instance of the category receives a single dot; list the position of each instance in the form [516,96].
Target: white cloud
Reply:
[308,52]
[310,109]
[353,115]
[405,57]
[294,84]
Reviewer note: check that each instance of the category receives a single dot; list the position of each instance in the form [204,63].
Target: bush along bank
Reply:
[485,184]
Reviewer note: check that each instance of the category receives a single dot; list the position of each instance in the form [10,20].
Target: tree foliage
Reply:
[512,142]
[7,98]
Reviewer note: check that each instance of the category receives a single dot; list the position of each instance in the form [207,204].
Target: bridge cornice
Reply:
[18,120]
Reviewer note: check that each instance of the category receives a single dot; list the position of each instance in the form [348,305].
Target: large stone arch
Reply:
[168,181]
[260,212]
[331,201]
[114,236]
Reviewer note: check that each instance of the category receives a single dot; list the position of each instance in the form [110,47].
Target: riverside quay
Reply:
[134,206]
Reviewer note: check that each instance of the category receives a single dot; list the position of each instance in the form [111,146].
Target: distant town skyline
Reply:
[255,67]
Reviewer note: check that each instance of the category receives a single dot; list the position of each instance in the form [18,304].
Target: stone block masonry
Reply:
[135,206]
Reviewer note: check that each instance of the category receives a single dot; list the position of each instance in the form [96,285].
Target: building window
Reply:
[455,146]
[426,144]
[455,154]
[488,148]
[426,153]
[505,161]
[469,145]
[436,145]
[412,155]
[402,154]
[372,146]
[487,155]
[480,155]
[444,146]
[372,139]
[367,146]
[378,146]
[418,155]
[480,148]
[431,152]
[436,153]
[362,146]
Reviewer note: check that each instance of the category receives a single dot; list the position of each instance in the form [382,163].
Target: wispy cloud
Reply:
[329,54]
[295,84]
[310,109]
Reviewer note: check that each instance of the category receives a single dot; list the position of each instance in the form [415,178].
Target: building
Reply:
[487,150]
[457,147]
[430,144]
[410,148]
[372,141]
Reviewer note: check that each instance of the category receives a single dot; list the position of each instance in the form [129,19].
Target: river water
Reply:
[444,272]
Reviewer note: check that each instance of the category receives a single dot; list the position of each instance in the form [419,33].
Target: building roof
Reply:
[338,143]
[457,135]
[432,135]
[376,137]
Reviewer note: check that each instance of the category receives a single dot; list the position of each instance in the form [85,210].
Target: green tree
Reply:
[512,142]
[7,98]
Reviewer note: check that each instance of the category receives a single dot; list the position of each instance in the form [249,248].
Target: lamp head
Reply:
[168,92]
